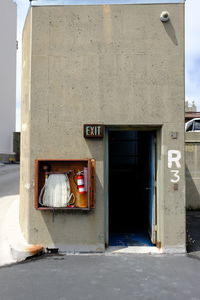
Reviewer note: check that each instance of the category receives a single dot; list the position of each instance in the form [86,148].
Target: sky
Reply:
[22,8]
[192,52]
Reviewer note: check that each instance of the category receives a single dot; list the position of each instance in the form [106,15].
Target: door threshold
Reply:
[133,250]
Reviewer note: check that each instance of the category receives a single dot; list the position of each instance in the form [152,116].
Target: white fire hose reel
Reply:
[56,191]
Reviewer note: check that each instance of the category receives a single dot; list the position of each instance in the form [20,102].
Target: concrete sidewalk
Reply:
[13,246]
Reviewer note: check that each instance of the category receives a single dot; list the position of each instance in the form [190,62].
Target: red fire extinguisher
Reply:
[80,183]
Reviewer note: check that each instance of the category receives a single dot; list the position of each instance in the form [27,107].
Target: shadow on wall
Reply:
[169,28]
[192,214]
[193,232]
[192,193]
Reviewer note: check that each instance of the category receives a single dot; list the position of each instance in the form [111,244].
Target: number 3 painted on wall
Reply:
[174,157]
[177,177]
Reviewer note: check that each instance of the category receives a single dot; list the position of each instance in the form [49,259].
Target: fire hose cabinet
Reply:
[64,184]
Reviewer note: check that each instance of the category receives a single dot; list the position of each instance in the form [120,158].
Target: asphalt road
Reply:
[96,277]
[9,180]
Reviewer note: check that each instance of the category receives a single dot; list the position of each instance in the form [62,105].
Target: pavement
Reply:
[102,277]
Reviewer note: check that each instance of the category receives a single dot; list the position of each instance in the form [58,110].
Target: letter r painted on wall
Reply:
[174,157]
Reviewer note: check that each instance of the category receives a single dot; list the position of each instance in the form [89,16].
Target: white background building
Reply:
[8,25]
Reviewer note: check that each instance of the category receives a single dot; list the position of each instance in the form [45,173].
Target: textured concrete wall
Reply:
[8,28]
[25,196]
[115,65]
[192,160]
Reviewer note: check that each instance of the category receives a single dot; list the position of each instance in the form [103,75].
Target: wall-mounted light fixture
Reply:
[164,17]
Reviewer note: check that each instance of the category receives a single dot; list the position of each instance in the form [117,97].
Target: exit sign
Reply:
[93,131]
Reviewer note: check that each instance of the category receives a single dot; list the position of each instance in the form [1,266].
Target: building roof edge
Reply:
[100,2]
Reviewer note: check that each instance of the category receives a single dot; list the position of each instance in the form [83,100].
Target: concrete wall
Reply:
[192,160]
[8,25]
[115,65]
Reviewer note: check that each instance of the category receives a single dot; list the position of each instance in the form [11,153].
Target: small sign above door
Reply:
[93,131]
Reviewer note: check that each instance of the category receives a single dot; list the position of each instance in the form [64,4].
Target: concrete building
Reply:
[191,111]
[106,67]
[8,26]
[190,107]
